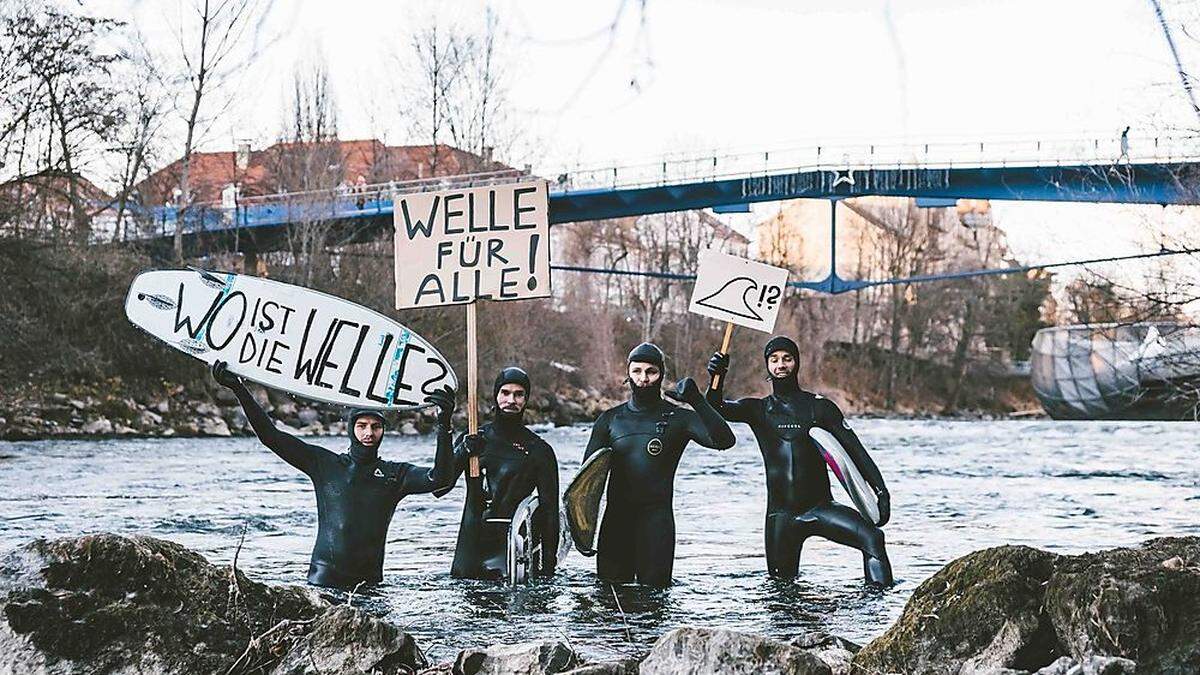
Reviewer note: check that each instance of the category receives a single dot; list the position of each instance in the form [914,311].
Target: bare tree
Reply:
[308,163]
[435,65]
[214,43]
[136,140]
[56,116]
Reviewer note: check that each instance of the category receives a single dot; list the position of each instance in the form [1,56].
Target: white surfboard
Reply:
[291,338]
[527,552]
[847,473]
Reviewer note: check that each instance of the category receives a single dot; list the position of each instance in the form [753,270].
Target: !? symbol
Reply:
[769,295]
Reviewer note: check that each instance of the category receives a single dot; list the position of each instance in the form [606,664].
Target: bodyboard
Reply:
[527,548]
[524,549]
[859,490]
[582,500]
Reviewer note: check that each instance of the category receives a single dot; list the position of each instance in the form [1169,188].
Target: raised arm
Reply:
[439,478]
[706,427]
[292,450]
[735,411]
[829,417]
[547,487]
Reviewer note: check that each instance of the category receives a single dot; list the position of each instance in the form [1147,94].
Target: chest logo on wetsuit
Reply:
[378,473]
[654,446]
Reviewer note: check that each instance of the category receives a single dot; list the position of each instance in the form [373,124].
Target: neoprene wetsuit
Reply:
[513,462]
[648,435]
[799,501]
[357,494]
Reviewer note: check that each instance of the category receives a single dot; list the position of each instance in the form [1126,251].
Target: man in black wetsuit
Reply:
[799,502]
[356,491]
[513,461]
[647,436]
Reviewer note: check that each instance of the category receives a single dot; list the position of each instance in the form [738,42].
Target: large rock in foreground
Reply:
[529,658]
[1141,603]
[108,603]
[1021,609]
[699,651]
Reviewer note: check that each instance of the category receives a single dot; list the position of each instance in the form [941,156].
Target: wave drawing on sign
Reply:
[742,296]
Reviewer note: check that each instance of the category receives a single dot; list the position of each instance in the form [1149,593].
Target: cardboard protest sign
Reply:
[738,290]
[458,246]
[290,338]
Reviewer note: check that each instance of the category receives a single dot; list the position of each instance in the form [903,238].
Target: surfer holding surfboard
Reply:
[644,439]
[513,462]
[799,433]
[357,492]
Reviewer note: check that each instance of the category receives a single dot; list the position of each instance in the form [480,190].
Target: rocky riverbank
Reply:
[115,409]
[108,603]
[112,409]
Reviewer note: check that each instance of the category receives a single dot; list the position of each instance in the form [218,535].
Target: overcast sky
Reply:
[610,83]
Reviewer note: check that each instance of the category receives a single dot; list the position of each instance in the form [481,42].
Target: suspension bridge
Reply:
[1118,169]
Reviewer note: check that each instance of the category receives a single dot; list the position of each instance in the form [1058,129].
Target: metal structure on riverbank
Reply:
[1118,371]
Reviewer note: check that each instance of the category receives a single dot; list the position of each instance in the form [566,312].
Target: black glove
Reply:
[686,391]
[444,400]
[473,444]
[718,364]
[220,373]
[885,507]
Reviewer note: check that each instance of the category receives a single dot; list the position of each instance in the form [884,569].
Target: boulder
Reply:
[98,426]
[622,667]
[1138,603]
[308,416]
[528,658]
[836,652]
[1091,665]
[214,426]
[1014,608]
[686,651]
[108,603]
[148,419]
[409,429]
[982,611]
[236,418]
[377,647]
[205,409]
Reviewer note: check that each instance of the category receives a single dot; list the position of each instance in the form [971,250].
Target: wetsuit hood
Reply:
[647,352]
[360,452]
[510,375]
[791,383]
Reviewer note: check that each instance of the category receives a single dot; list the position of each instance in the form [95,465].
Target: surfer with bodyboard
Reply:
[324,348]
[507,532]
[799,434]
[643,439]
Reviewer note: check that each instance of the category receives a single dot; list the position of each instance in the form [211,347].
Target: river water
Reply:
[956,487]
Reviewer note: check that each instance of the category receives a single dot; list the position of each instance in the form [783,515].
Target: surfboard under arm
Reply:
[582,497]
[861,494]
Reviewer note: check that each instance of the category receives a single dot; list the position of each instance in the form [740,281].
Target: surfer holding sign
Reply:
[799,433]
[645,438]
[357,492]
[513,462]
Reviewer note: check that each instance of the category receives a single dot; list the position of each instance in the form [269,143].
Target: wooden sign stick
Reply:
[716,381]
[472,384]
